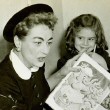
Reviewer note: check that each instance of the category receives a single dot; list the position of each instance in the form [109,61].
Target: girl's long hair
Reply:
[85,21]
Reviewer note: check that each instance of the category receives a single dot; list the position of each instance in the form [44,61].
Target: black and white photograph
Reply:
[41,44]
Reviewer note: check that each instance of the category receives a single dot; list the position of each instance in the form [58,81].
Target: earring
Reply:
[17,49]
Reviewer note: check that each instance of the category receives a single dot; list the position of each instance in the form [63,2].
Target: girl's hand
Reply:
[99,59]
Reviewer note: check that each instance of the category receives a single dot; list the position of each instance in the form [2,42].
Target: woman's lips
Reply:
[41,59]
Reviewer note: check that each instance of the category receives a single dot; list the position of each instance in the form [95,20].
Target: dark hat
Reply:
[19,16]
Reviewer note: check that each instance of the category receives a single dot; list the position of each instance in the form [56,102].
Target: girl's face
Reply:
[85,39]
[35,46]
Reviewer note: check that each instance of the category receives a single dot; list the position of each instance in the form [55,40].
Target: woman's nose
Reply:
[45,49]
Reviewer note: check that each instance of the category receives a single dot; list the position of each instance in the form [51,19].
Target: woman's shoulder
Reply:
[6,71]
[5,62]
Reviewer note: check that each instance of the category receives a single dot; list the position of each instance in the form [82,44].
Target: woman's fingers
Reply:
[75,58]
[68,67]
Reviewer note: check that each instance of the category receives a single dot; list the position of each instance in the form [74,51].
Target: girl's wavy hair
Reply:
[85,21]
[22,28]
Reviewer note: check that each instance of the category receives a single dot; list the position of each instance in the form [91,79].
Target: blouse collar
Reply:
[22,71]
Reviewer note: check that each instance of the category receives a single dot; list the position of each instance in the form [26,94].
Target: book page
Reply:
[83,89]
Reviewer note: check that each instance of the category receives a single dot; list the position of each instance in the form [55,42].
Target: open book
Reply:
[83,89]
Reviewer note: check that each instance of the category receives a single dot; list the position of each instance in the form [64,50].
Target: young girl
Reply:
[85,34]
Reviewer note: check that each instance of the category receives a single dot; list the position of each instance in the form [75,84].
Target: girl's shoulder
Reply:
[61,62]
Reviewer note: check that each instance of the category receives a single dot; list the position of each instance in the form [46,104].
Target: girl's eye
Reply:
[80,38]
[92,39]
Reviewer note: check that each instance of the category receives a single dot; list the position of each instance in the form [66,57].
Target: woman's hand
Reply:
[68,67]
[99,59]
[55,78]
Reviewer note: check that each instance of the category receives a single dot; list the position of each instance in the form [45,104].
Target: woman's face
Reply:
[85,39]
[35,46]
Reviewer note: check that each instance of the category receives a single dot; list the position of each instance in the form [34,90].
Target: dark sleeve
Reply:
[106,56]
[6,102]
[61,62]
[106,102]
[47,107]
[7,99]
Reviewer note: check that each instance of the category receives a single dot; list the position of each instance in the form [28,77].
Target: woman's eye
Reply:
[38,43]
[49,43]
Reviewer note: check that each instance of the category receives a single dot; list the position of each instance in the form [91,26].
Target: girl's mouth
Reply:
[85,48]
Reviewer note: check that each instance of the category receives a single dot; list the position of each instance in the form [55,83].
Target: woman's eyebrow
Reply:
[84,36]
[42,38]
[51,38]
[39,38]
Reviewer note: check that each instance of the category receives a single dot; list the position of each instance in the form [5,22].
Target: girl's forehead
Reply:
[86,32]
[84,29]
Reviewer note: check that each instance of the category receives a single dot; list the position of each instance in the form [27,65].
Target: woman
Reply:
[22,82]
[85,33]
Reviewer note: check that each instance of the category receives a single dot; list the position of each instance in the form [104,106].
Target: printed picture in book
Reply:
[83,90]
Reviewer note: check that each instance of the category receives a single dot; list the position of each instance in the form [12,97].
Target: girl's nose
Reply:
[85,42]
